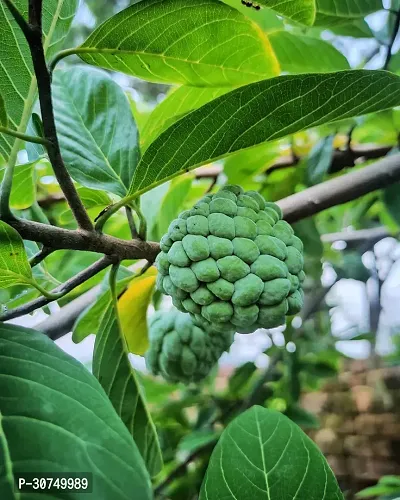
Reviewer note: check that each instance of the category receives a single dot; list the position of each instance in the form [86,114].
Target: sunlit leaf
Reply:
[17,82]
[175,106]
[14,266]
[23,192]
[207,44]
[301,11]
[262,112]
[113,369]
[56,418]
[132,310]
[267,19]
[96,129]
[256,455]
[305,54]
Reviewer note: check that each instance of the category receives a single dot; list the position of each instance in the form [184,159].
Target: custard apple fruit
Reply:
[232,262]
[180,351]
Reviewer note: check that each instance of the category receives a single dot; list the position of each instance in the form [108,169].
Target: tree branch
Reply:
[392,40]
[33,34]
[354,237]
[63,289]
[41,255]
[341,189]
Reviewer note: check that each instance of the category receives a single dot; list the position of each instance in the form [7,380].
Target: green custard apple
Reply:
[232,262]
[180,351]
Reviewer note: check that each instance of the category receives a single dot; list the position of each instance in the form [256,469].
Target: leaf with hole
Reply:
[259,112]
[263,454]
[96,130]
[305,54]
[203,43]
[56,418]
[112,367]
[17,81]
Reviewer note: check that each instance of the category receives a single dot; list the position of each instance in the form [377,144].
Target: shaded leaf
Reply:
[333,12]
[305,54]
[260,112]
[132,310]
[14,266]
[301,417]
[319,160]
[256,455]
[392,201]
[241,378]
[97,133]
[207,44]
[113,369]
[88,322]
[301,11]
[3,113]
[197,439]
[56,418]
[357,28]
[17,82]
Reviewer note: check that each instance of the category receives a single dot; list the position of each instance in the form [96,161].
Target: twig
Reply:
[131,222]
[62,290]
[392,40]
[41,255]
[33,34]
[24,137]
[376,233]
[341,189]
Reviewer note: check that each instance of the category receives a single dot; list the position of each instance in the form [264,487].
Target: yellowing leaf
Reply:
[132,310]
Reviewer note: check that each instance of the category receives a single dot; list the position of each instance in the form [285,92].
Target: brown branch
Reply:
[341,189]
[41,255]
[63,289]
[33,34]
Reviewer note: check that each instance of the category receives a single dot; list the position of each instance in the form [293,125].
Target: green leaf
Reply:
[260,112]
[206,44]
[267,19]
[88,322]
[175,106]
[14,266]
[304,54]
[263,454]
[319,160]
[17,81]
[96,129]
[392,201]
[55,417]
[301,417]
[197,439]
[113,369]
[378,491]
[171,204]
[23,192]
[301,11]
[334,12]
[3,113]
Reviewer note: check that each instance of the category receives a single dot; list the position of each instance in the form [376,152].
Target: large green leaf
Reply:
[96,129]
[203,43]
[304,54]
[14,266]
[263,454]
[301,11]
[267,19]
[113,369]
[17,82]
[176,105]
[260,112]
[55,418]
[337,12]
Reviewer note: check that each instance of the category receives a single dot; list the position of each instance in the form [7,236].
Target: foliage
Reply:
[121,134]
